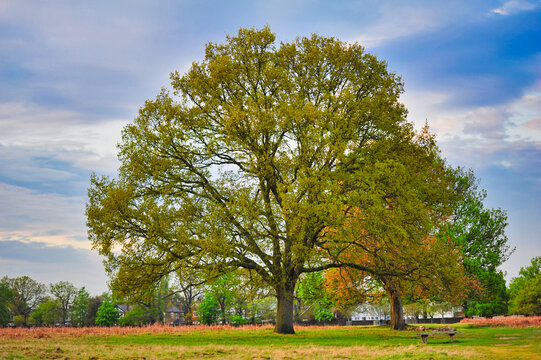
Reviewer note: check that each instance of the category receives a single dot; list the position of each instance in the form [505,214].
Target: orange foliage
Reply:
[349,287]
[433,268]
[507,321]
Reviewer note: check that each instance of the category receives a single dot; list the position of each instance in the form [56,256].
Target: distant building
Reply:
[173,314]
[123,309]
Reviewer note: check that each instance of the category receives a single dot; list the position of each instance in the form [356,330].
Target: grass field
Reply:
[353,342]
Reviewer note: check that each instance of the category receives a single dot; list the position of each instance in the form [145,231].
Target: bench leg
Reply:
[452,336]
[424,338]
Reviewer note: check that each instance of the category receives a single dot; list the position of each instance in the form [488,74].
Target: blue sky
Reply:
[73,73]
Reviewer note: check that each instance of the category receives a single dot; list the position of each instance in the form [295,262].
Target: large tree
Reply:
[27,295]
[6,297]
[65,292]
[259,152]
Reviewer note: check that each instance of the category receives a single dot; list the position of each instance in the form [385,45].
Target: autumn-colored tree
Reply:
[261,148]
[436,274]
[394,243]
[350,287]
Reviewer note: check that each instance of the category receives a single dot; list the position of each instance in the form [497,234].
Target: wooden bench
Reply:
[424,336]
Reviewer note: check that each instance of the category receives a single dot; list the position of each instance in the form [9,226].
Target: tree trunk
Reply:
[284,310]
[397,311]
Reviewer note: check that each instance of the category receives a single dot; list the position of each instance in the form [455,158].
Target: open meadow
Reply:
[252,342]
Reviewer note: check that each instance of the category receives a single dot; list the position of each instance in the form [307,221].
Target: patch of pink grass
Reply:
[508,321]
[47,332]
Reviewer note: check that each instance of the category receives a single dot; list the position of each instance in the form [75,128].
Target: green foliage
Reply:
[310,288]
[527,300]
[533,270]
[48,313]
[151,303]
[107,314]
[222,290]
[6,297]
[64,292]
[525,290]
[79,308]
[27,294]
[323,311]
[238,320]
[493,301]
[480,232]
[525,274]
[137,316]
[94,304]
[36,318]
[208,310]
[261,309]
[19,320]
[311,291]
[261,147]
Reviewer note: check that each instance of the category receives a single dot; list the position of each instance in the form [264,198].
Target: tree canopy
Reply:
[480,233]
[65,292]
[258,159]
[6,297]
[26,295]
[525,290]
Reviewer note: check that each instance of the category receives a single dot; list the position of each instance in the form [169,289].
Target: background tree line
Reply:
[25,301]
[230,299]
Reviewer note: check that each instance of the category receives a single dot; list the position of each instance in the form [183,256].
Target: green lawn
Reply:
[355,342]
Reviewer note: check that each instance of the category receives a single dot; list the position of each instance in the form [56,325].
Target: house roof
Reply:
[172,309]
[123,307]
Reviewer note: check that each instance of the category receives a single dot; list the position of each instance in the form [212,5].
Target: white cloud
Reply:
[397,23]
[104,34]
[391,20]
[515,6]
[28,215]
[505,135]
[33,130]
[486,122]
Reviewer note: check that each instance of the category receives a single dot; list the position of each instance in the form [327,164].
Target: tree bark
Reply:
[284,310]
[397,311]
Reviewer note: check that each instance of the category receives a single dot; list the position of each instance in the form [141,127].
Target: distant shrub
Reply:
[238,320]
[19,320]
[107,315]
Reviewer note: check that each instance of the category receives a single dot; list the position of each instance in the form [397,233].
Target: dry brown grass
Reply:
[71,350]
[222,342]
[52,332]
[508,321]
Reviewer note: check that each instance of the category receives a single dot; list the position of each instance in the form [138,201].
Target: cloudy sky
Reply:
[73,73]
